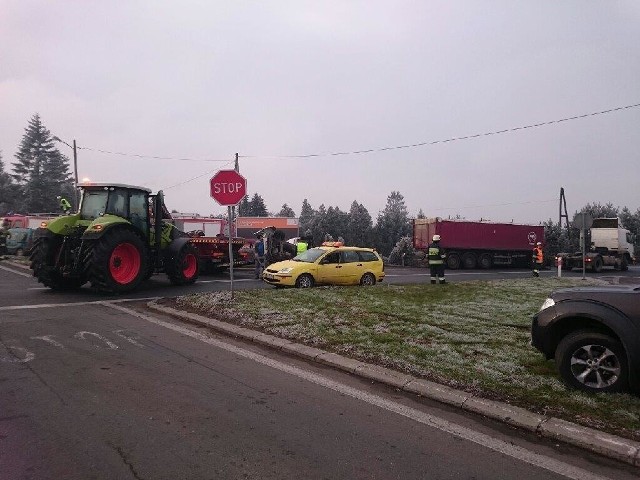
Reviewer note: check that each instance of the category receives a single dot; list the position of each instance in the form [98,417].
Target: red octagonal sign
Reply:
[228,187]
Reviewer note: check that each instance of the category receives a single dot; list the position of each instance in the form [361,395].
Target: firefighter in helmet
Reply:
[537,259]
[436,258]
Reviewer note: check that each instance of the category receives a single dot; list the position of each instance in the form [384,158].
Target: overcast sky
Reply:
[202,80]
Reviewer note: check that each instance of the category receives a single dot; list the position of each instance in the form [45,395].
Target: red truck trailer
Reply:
[479,244]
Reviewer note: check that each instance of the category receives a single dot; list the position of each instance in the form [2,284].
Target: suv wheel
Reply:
[592,362]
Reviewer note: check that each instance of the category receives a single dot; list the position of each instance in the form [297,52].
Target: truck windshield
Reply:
[94,204]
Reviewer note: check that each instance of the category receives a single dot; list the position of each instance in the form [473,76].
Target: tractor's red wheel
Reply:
[125,263]
[189,265]
[117,262]
[183,268]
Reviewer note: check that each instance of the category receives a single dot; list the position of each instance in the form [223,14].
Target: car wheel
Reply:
[305,281]
[592,362]
[368,279]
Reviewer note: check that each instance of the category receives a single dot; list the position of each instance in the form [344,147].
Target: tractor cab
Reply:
[123,201]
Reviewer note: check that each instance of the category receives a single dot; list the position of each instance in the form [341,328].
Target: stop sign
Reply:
[228,187]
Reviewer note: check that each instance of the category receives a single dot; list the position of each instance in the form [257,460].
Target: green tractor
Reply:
[113,242]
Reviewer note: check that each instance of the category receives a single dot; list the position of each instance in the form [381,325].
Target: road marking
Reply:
[77,304]
[228,281]
[458,274]
[433,421]
[109,343]
[48,339]
[13,358]
[128,338]
[28,275]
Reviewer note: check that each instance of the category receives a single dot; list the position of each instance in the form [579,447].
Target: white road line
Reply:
[228,281]
[433,421]
[83,336]
[48,339]
[28,275]
[76,304]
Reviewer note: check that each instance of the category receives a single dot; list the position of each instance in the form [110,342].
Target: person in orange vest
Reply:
[537,259]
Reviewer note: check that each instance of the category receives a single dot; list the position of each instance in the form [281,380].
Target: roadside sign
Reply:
[583,221]
[228,187]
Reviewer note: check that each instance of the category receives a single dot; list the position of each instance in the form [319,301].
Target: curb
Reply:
[605,444]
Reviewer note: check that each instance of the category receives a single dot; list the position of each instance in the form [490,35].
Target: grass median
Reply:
[470,335]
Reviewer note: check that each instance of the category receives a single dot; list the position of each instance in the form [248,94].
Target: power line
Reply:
[152,156]
[196,177]
[454,139]
[373,150]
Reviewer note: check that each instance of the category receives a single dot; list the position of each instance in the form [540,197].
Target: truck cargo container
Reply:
[479,244]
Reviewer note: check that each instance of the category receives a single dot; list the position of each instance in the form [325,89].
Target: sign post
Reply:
[228,187]
[583,221]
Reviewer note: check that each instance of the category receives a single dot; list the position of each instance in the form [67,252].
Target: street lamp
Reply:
[75,168]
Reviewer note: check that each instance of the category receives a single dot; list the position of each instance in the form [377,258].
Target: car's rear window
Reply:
[366,256]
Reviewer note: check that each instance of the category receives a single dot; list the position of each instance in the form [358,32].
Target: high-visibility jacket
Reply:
[538,256]
[301,247]
[435,254]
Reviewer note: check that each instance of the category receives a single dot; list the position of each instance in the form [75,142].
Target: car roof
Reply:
[330,248]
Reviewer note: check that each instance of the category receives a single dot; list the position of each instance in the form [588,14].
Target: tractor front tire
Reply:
[183,269]
[118,262]
[44,260]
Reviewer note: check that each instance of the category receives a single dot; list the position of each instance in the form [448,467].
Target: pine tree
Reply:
[41,172]
[244,207]
[258,207]
[306,218]
[392,224]
[286,211]
[360,226]
[8,196]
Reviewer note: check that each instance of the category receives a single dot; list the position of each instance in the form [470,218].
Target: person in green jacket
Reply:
[64,204]
[301,246]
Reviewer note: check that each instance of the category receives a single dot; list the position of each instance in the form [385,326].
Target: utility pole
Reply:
[74,147]
[563,203]
[75,175]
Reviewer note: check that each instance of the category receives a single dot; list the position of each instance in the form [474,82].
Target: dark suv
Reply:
[594,335]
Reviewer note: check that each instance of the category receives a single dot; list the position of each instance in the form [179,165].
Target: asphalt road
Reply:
[95,387]
[24,290]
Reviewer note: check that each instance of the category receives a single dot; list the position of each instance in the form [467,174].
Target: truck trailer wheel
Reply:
[184,268]
[453,261]
[118,262]
[469,260]
[485,261]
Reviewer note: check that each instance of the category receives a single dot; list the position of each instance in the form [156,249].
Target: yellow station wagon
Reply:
[330,264]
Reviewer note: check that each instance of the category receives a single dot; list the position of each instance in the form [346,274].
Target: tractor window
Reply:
[94,204]
[138,211]
[117,204]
